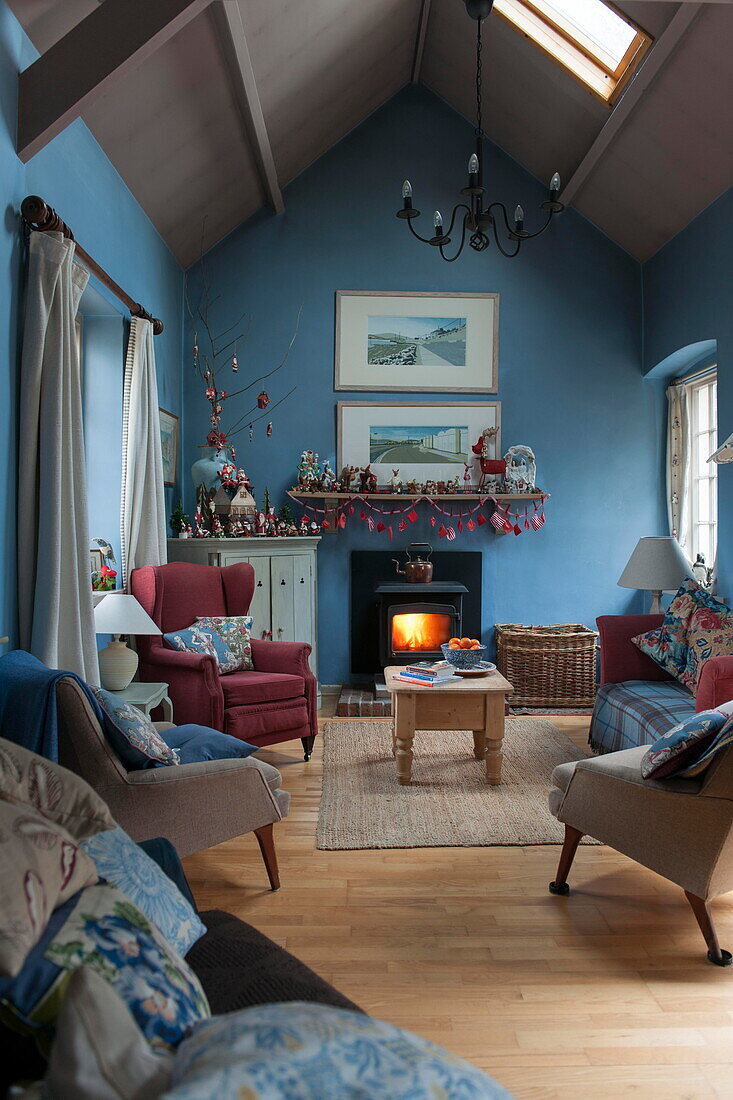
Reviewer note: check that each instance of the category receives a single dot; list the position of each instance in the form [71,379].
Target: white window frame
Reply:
[702,398]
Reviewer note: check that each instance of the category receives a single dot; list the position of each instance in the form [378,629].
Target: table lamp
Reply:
[118,614]
[657,565]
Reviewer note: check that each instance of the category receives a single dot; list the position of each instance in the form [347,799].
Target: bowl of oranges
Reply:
[463,652]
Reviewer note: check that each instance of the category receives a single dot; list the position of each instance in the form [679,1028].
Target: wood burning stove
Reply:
[414,620]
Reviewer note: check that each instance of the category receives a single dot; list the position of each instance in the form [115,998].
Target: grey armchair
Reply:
[680,828]
[193,805]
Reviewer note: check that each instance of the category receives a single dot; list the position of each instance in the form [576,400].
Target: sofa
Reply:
[275,702]
[638,701]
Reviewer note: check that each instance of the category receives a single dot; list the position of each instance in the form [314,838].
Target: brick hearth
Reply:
[359,702]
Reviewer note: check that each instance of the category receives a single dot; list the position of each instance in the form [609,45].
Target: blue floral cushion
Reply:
[195,744]
[304,1051]
[132,735]
[677,750]
[111,935]
[119,860]
[206,640]
[709,749]
[235,631]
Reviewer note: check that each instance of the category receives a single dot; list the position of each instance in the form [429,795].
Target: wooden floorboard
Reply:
[604,994]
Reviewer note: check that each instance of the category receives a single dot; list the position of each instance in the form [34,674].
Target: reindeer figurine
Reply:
[395,482]
[467,468]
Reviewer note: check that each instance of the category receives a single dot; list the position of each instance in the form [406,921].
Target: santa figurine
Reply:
[314,529]
[260,523]
[304,526]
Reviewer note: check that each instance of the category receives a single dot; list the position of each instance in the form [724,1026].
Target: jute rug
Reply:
[448,803]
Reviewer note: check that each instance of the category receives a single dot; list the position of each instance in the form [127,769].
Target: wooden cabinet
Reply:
[284,605]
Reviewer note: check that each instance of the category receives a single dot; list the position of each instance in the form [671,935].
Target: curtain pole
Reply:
[38,215]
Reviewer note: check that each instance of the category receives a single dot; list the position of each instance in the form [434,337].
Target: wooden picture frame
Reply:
[169,445]
[432,342]
[361,440]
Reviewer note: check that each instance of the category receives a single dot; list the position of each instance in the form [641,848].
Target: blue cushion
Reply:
[119,860]
[132,735]
[32,992]
[637,712]
[195,744]
[200,639]
[683,745]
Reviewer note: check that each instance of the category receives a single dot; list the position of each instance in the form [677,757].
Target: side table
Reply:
[147,697]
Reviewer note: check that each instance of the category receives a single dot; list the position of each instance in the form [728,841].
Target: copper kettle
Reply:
[418,569]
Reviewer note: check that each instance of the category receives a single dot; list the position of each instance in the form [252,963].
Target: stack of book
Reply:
[427,673]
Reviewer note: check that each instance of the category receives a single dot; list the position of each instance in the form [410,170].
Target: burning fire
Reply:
[420,631]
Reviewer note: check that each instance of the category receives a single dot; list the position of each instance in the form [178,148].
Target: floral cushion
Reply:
[683,745]
[40,867]
[308,1051]
[723,739]
[235,632]
[669,645]
[111,935]
[132,735]
[206,640]
[123,863]
[52,791]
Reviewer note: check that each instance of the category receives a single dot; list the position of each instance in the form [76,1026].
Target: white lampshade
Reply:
[657,565]
[119,613]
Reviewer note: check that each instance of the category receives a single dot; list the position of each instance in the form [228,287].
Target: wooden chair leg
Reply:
[701,909]
[573,838]
[266,842]
[308,743]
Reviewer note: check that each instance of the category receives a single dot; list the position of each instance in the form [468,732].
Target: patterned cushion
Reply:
[682,746]
[722,740]
[637,712]
[696,626]
[132,735]
[120,861]
[51,790]
[197,639]
[108,933]
[235,631]
[313,1051]
[40,867]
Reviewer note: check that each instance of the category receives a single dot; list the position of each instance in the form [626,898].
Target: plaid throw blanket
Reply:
[637,713]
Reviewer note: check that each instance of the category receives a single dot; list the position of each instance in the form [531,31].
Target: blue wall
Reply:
[571,384]
[75,176]
[687,300]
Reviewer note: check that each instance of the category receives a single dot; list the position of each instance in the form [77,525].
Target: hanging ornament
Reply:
[481,519]
[516,529]
[450,534]
[351,510]
[498,520]
[370,523]
[251,432]
[412,515]
[402,526]
[380,527]
[207,375]
[432,521]
[269,427]
[326,525]
[342,521]
[362,514]
[262,400]
[471,525]
[537,520]
[459,525]
[442,531]
[389,532]
[235,364]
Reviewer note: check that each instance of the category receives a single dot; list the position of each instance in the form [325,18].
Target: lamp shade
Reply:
[657,565]
[119,613]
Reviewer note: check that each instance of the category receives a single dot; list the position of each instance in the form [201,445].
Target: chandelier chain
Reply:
[479,129]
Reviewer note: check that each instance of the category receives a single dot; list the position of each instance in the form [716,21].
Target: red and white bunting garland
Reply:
[502,518]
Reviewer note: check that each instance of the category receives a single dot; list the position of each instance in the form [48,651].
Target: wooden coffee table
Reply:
[476,703]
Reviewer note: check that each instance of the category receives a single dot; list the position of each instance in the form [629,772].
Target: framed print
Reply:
[169,445]
[97,560]
[428,441]
[417,342]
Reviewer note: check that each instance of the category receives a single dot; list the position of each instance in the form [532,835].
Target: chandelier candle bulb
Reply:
[438,223]
[472,170]
[518,219]
[407,190]
[555,184]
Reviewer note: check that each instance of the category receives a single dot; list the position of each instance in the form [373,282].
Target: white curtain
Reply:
[678,461]
[142,517]
[54,586]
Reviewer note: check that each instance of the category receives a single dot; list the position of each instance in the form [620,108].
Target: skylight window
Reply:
[596,44]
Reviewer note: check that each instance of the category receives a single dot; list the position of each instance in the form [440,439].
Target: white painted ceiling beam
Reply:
[228,20]
[114,38]
[422,30]
[649,69]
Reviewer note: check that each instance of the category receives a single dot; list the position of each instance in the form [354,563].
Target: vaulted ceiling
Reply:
[216,121]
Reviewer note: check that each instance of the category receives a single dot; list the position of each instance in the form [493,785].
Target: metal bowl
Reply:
[464,658]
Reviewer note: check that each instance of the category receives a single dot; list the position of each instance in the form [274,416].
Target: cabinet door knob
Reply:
[259,584]
[282,582]
[302,581]
[279,631]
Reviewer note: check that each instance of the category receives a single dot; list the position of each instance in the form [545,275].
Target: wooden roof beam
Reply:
[422,30]
[227,18]
[651,66]
[113,39]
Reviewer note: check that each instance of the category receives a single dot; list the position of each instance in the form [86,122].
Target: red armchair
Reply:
[276,702]
[622,661]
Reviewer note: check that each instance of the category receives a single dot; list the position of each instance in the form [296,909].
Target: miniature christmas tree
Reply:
[286,515]
[179,519]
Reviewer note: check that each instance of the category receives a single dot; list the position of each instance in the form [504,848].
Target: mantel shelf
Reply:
[305,497]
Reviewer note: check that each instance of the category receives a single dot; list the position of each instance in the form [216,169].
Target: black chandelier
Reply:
[478,220]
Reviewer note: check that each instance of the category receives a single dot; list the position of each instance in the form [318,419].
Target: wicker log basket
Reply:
[549,666]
